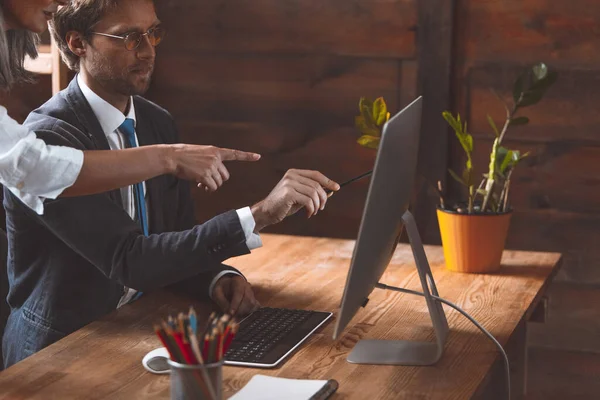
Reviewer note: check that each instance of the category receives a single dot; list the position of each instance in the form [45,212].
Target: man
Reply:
[96,253]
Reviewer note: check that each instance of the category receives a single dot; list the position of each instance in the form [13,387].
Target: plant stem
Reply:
[507,187]
[504,193]
[471,197]
[509,117]
[490,180]
[440,192]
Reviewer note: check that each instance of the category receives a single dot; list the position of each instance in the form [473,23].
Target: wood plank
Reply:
[573,321]
[303,91]
[527,31]
[567,112]
[435,40]
[283,273]
[560,374]
[379,28]
[549,230]
[409,71]
[580,267]
[560,176]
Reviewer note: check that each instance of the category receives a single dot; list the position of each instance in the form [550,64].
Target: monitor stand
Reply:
[402,352]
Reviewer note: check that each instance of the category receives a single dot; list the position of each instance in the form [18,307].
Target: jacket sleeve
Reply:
[101,231]
[197,286]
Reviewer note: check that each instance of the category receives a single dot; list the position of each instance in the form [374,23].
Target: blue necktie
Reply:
[128,129]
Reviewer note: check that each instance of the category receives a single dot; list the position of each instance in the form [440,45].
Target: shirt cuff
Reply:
[253,240]
[219,276]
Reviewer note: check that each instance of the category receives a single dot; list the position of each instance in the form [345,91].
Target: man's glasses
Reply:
[134,39]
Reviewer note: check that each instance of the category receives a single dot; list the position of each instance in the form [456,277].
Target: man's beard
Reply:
[119,81]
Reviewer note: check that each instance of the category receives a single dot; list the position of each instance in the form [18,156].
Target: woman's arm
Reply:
[107,170]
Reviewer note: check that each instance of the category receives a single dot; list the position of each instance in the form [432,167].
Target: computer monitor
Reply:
[384,217]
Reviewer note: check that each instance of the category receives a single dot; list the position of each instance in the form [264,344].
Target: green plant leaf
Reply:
[519,121]
[518,87]
[540,71]
[493,163]
[368,117]
[507,160]
[379,111]
[365,103]
[452,121]
[541,80]
[493,125]
[482,192]
[365,129]
[456,177]
[466,177]
[371,142]
[468,142]
[531,97]
[544,84]
[501,154]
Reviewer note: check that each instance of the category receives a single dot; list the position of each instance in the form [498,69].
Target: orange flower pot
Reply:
[473,242]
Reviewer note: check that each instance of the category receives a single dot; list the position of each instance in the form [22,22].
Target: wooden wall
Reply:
[283,78]
[556,193]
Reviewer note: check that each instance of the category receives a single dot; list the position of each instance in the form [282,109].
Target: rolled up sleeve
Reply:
[32,170]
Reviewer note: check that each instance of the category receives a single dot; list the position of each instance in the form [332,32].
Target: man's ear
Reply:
[76,43]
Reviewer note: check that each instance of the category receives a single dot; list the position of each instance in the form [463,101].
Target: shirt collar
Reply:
[110,117]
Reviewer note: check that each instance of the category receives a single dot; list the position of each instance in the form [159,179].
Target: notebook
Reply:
[272,388]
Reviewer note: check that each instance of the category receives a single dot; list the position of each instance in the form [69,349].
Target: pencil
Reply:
[160,333]
[193,320]
[356,178]
[196,350]
[213,346]
[172,344]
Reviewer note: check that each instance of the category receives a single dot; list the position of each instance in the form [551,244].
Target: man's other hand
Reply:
[297,189]
[234,295]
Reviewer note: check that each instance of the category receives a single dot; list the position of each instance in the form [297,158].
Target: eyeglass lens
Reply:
[133,40]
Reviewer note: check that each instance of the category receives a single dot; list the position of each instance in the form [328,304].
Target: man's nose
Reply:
[146,50]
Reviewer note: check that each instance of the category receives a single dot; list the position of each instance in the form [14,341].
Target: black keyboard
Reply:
[269,335]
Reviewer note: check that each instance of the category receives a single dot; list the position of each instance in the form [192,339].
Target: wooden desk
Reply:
[102,360]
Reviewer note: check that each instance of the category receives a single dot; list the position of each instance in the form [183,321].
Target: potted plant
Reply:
[474,231]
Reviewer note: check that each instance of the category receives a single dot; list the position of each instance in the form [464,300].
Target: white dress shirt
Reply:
[32,170]
[110,119]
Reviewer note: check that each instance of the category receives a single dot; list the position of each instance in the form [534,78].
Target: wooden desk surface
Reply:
[102,360]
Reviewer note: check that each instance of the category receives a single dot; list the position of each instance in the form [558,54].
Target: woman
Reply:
[34,171]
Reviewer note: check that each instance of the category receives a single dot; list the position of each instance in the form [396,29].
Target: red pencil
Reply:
[163,340]
[187,353]
[229,338]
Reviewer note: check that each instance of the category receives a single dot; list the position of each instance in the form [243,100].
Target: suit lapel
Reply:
[89,123]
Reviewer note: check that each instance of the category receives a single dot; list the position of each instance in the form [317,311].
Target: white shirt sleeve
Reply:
[253,241]
[32,170]
[248,223]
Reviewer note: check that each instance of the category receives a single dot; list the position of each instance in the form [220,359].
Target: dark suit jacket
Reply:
[68,267]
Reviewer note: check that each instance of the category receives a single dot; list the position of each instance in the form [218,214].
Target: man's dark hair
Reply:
[79,16]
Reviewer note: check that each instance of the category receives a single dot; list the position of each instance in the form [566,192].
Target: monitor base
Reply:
[402,352]
[394,352]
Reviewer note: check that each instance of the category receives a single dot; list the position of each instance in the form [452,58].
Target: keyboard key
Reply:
[267,335]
